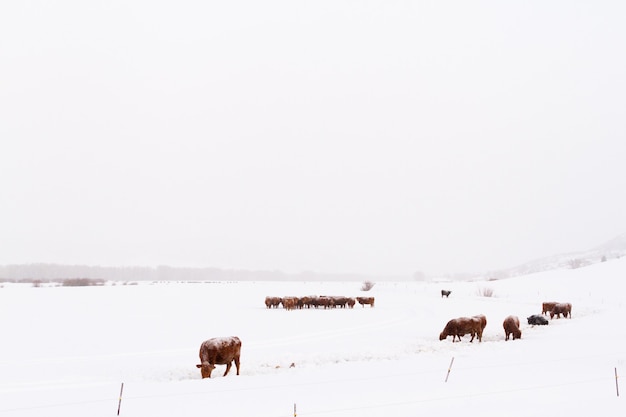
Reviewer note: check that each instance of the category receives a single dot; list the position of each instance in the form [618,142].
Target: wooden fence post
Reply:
[616,384]
[119,404]
[449,368]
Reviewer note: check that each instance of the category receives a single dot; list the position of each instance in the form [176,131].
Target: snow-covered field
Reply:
[67,350]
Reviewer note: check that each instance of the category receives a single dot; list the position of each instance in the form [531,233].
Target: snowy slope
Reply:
[66,351]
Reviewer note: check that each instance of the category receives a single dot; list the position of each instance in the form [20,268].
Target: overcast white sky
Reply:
[333,136]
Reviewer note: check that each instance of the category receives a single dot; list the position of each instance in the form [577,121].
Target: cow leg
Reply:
[237,364]
[228,365]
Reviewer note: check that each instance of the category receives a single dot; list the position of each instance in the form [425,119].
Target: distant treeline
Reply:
[56,272]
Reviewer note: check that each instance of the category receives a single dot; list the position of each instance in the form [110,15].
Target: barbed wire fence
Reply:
[611,375]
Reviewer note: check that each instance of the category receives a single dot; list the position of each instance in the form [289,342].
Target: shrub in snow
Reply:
[485,291]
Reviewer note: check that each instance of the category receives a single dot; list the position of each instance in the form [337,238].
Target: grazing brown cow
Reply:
[511,327]
[461,326]
[219,351]
[483,322]
[561,308]
[366,300]
[547,306]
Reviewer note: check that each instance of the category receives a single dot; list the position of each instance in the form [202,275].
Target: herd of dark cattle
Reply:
[226,350]
[317,301]
[475,325]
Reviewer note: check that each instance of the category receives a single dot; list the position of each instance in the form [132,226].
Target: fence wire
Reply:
[457,368]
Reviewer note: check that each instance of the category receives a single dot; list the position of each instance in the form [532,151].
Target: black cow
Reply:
[446,293]
[537,319]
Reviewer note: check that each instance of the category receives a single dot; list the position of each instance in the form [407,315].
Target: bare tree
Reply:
[485,291]
[575,263]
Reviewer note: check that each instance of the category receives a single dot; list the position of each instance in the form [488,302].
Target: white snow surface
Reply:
[67,350]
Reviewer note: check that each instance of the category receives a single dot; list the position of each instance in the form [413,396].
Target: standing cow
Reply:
[219,351]
[272,302]
[561,308]
[366,300]
[547,306]
[290,303]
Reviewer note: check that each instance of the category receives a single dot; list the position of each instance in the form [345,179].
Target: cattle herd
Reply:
[317,301]
[226,350]
[475,325]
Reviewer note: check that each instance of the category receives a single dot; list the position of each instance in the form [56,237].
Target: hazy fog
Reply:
[333,136]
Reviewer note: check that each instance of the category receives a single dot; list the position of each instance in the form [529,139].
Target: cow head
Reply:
[205,369]
[442,335]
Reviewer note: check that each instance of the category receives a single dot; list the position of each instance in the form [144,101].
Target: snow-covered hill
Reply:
[612,249]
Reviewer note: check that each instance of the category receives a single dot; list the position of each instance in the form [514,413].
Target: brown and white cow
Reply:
[219,351]
[547,306]
[511,327]
[461,326]
[561,308]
